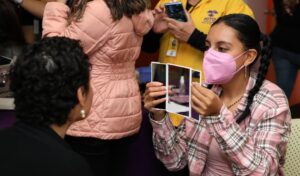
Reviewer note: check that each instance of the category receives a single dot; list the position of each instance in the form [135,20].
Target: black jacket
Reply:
[38,151]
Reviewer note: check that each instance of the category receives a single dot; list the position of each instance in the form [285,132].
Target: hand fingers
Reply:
[154,83]
[154,86]
[188,16]
[153,12]
[200,96]
[172,26]
[149,105]
[159,9]
[198,103]
[154,90]
[153,95]
[172,21]
[197,109]
[161,6]
[202,110]
[202,89]
[209,94]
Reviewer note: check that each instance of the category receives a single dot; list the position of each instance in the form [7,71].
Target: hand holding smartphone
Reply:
[176,11]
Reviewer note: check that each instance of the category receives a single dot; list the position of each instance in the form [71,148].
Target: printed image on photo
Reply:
[196,77]
[158,74]
[178,99]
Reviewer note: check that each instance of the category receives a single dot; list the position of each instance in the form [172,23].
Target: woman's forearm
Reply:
[35,7]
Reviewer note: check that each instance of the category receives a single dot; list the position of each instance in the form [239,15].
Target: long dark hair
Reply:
[10,27]
[118,8]
[250,36]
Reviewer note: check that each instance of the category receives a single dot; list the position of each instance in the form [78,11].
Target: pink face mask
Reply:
[219,68]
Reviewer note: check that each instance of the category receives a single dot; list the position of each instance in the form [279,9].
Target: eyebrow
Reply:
[224,43]
[220,43]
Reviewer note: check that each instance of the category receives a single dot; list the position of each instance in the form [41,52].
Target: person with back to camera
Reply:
[245,119]
[50,82]
[285,40]
[111,33]
[189,36]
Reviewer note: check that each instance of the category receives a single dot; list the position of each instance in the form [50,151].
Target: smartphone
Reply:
[175,10]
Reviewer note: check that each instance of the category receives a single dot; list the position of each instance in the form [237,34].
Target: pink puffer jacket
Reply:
[113,47]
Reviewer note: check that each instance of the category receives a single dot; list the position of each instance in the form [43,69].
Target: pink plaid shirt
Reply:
[256,146]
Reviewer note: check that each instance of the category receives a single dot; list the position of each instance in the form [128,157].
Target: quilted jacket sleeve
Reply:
[143,22]
[90,29]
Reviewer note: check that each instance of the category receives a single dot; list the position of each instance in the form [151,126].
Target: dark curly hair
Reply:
[250,36]
[45,79]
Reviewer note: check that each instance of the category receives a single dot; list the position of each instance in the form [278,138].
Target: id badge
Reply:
[172,47]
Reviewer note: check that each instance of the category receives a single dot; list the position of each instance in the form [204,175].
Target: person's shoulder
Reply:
[98,10]
[99,6]
[48,154]
[9,135]
[236,6]
[272,95]
[272,88]
[99,3]
[6,131]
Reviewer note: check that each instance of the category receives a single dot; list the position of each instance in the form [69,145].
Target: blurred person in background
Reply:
[285,40]
[11,35]
[30,13]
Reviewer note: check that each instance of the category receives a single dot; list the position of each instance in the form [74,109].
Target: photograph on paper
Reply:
[196,78]
[158,74]
[178,99]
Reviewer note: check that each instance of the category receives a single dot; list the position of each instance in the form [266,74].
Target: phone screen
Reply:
[175,10]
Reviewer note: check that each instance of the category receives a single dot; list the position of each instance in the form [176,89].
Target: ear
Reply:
[81,96]
[250,57]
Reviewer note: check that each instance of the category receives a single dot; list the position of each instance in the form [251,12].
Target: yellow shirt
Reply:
[203,15]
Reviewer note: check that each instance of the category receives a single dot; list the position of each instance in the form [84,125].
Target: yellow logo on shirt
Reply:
[211,17]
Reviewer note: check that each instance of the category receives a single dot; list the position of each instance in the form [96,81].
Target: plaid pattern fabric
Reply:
[256,146]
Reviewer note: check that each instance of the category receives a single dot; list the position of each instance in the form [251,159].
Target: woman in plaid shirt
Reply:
[245,119]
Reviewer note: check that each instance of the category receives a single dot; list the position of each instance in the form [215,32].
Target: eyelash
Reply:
[222,49]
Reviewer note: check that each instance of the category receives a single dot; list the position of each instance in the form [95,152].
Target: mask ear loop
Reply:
[242,65]
[240,55]
[246,66]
